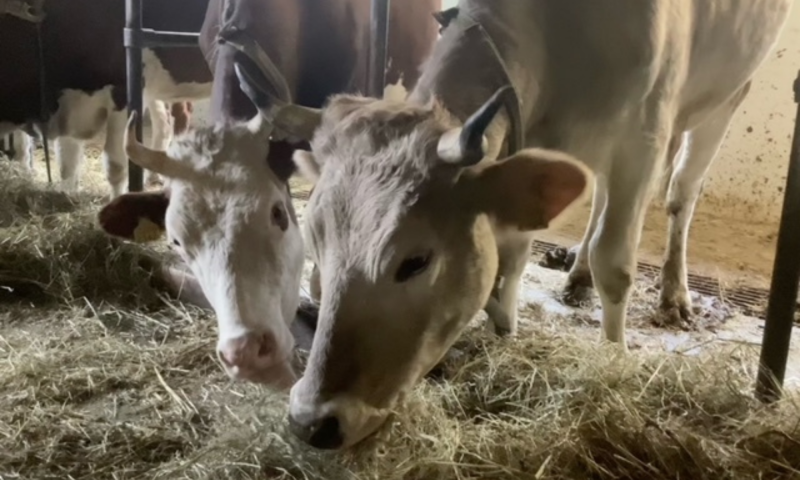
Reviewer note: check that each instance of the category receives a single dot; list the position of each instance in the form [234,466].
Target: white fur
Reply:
[395,91]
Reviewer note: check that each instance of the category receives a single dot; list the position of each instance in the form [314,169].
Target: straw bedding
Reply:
[102,375]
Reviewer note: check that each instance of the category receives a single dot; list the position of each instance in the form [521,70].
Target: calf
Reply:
[415,226]
[25,143]
[227,207]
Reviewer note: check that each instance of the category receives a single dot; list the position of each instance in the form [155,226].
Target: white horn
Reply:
[467,145]
[154,160]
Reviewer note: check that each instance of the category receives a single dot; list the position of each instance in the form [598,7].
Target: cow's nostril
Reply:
[266,345]
[327,435]
[227,358]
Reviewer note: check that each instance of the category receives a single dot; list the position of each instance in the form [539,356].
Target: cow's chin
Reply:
[371,420]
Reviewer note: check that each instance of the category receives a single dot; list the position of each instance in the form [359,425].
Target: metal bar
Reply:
[44,111]
[133,28]
[785,279]
[7,146]
[379,39]
[149,38]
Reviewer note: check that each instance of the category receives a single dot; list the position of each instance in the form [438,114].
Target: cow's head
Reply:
[231,219]
[403,223]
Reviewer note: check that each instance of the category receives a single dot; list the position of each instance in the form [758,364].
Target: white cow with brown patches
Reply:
[413,224]
[231,219]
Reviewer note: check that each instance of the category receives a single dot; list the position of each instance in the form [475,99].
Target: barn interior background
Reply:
[106,386]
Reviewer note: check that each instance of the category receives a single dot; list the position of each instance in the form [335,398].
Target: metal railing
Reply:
[137,38]
[785,279]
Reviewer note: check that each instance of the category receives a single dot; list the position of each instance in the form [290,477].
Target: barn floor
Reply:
[104,376]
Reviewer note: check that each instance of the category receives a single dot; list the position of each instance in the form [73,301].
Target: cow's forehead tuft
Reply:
[378,140]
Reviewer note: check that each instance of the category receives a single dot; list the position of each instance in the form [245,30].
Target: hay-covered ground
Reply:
[104,376]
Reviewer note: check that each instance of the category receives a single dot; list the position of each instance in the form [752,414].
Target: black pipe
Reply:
[379,39]
[785,279]
[133,48]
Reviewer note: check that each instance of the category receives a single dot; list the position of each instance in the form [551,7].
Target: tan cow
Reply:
[411,236]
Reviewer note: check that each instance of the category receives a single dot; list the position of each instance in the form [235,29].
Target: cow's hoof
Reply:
[674,313]
[578,291]
[308,312]
[154,182]
[559,258]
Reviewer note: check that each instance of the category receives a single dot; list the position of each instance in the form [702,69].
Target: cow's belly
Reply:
[731,38]
[159,84]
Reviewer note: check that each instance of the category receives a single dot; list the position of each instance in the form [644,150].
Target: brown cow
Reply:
[227,210]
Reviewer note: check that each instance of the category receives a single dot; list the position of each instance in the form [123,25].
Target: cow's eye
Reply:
[412,266]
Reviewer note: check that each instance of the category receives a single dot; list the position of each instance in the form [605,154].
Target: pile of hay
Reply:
[105,377]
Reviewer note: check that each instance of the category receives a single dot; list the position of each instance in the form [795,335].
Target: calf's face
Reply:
[232,222]
[405,242]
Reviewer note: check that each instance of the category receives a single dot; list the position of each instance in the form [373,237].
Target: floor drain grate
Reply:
[752,301]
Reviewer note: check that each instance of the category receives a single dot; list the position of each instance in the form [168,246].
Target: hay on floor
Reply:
[104,376]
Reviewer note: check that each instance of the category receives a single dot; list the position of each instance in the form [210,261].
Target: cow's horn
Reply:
[465,146]
[296,120]
[154,160]
[261,70]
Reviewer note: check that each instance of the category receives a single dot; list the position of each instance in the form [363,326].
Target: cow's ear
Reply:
[135,216]
[306,165]
[530,189]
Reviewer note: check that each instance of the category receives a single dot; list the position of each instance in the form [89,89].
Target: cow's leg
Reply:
[20,146]
[181,116]
[160,134]
[514,251]
[700,147]
[30,149]
[26,149]
[69,155]
[612,254]
[314,284]
[579,281]
[115,161]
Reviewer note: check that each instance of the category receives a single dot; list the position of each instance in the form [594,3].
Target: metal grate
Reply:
[752,301]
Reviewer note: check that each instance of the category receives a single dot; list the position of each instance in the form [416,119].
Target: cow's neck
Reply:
[465,69]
